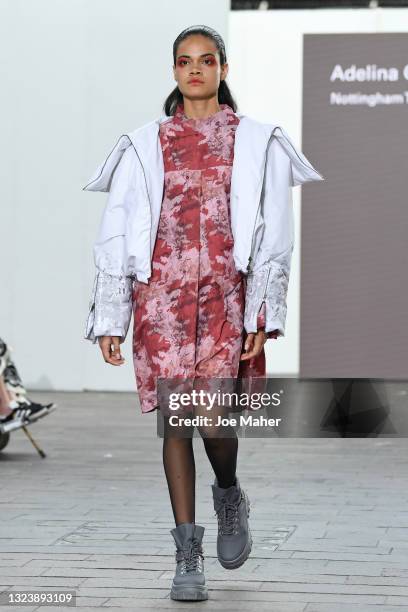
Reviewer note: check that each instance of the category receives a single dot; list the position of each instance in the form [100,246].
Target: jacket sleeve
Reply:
[267,281]
[110,306]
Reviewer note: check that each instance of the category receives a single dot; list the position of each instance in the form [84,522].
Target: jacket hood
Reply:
[144,140]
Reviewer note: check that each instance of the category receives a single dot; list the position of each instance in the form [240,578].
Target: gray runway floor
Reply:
[329,516]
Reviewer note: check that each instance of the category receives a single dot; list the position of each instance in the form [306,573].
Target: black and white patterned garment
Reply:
[24,409]
[9,371]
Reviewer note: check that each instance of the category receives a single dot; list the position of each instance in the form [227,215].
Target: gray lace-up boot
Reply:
[189,580]
[234,540]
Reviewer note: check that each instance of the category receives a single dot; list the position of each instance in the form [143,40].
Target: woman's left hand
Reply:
[254,343]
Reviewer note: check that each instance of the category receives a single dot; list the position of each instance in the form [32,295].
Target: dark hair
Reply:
[224,94]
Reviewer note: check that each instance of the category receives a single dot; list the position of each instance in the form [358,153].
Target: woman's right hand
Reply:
[111,355]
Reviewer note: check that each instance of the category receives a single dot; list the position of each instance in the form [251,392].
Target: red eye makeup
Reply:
[209,59]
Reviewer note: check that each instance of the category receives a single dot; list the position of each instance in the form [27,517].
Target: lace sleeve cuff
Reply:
[268,284]
[260,322]
[110,307]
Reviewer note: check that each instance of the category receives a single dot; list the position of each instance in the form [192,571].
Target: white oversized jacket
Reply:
[266,165]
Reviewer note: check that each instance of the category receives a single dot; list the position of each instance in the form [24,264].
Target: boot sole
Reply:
[182,593]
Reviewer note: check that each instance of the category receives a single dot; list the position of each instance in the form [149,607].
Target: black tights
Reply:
[221,446]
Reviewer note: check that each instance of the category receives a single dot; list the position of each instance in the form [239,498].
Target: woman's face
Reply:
[198,58]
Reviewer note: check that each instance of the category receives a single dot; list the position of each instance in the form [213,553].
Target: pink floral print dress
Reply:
[188,318]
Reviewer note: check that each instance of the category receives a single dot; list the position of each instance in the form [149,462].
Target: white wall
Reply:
[77,73]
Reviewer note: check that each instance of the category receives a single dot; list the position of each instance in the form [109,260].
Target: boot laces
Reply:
[191,556]
[227,514]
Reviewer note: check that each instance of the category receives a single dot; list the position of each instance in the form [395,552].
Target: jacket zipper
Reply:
[148,197]
[105,162]
[259,203]
[144,175]
[266,285]
[263,179]
[264,294]
[252,240]
[310,167]
[92,304]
